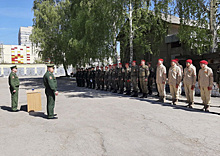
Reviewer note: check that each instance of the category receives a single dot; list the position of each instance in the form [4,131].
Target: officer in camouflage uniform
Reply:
[114,78]
[14,88]
[83,74]
[106,78]
[143,76]
[121,74]
[87,78]
[110,77]
[134,78]
[150,78]
[50,84]
[97,77]
[77,77]
[93,77]
[139,83]
[102,78]
[127,79]
[90,77]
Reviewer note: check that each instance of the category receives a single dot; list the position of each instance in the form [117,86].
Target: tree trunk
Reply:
[65,69]
[131,36]
[114,43]
[213,25]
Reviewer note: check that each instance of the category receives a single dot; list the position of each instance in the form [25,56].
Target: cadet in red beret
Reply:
[189,81]
[161,76]
[205,81]
[174,79]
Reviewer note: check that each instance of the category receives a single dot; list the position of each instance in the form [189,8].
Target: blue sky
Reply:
[13,15]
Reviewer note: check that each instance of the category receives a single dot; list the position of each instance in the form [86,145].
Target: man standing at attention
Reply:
[174,79]
[205,81]
[189,81]
[143,76]
[161,76]
[14,87]
[50,84]
[134,79]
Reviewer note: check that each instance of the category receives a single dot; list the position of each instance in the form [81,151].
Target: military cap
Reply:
[189,61]
[134,61]
[203,62]
[120,63]
[106,66]
[143,60]
[50,65]
[12,67]
[101,66]
[126,63]
[114,64]
[160,60]
[109,65]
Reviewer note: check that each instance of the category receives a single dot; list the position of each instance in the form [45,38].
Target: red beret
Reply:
[120,63]
[101,66]
[109,65]
[189,61]
[143,60]
[203,62]
[97,67]
[114,64]
[177,60]
[134,61]
[106,66]
[126,63]
[148,62]
[160,59]
[174,61]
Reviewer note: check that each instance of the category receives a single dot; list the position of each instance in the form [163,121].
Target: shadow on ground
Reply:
[68,85]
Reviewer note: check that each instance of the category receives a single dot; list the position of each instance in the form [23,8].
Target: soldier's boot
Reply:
[114,91]
[163,99]
[190,105]
[135,94]
[160,99]
[175,101]
[143,96]
[121,91]
[207,108]
[128,92]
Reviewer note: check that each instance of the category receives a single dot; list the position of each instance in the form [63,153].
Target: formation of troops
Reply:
[139,79]
[130,81]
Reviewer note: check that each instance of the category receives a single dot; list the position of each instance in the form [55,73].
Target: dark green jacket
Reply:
[50,81]
[13,81]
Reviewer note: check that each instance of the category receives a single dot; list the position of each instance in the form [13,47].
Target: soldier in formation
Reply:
[117,78]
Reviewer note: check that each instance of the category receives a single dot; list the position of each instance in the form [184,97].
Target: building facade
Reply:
[24,36]
[18,54]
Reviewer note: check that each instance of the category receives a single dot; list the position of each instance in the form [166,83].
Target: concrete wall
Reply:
[32,70]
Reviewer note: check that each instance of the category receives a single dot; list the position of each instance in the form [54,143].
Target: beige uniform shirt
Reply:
[174,76]
[189,76]
[161,74]
[205,77]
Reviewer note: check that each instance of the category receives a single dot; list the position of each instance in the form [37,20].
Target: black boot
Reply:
[143,96]
[128,92]
[135,94]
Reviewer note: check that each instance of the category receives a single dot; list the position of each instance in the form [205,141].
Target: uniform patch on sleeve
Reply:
[50,77]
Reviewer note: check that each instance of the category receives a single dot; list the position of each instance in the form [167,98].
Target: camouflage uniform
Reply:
[143,76]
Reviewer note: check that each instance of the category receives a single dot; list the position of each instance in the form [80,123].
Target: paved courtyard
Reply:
[99,123]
